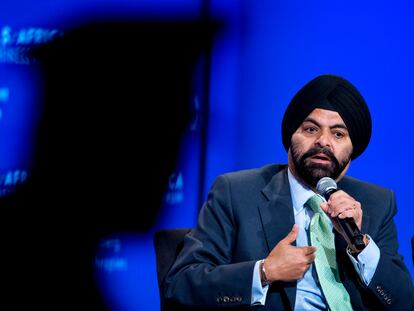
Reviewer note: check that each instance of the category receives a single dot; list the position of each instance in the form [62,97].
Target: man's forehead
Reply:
[325,117]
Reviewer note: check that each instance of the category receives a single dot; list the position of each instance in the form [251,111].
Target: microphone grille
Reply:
[325,184]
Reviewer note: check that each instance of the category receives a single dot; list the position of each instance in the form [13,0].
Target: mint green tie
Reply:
[323,239]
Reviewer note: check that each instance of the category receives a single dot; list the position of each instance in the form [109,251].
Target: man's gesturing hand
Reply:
[287,262]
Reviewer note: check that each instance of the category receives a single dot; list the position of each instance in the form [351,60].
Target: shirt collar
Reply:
[300,194]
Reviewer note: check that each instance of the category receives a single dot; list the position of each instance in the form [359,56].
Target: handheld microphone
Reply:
[325,187]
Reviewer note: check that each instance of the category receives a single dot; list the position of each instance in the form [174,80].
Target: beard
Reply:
[310,172]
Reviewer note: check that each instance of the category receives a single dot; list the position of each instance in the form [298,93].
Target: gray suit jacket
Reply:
[246,214]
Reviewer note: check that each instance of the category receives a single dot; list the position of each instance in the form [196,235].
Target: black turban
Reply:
[334,93]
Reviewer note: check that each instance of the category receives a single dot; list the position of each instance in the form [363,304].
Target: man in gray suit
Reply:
[252,245]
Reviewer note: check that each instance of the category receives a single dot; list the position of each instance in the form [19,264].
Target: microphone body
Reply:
[326,187]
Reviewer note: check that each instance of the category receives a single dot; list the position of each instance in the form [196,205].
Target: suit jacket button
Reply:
[389,301]
[226,299]
[379,288]
[219,300]
[232,299]
[239,299]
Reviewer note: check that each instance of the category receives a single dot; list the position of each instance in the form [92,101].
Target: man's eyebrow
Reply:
[338,125]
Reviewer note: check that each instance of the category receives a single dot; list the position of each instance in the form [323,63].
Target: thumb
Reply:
[292,235]
[325,207]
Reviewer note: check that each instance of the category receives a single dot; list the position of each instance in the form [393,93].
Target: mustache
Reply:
[314,151]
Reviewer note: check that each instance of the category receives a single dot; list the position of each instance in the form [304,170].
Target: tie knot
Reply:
[314,202]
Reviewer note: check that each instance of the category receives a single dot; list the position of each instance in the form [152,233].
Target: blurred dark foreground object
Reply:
[167,245]
[412,248]
[116,102]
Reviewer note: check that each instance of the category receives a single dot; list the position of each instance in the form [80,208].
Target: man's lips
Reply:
[320,158]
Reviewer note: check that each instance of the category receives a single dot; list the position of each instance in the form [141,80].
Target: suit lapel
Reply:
[277,218]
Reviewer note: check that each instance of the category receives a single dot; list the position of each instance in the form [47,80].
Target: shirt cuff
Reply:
[367,261]
[258,292]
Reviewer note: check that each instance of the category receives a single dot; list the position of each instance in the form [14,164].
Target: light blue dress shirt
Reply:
[308,292]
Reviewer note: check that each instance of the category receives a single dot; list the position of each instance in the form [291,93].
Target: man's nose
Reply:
[324,139]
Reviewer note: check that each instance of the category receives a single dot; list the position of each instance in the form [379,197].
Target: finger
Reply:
[325,207]
[310,258]
[292,235]
[308,250]
[339,196]
[342,201]
[328,209]
[341,208]
[334,196]
[347,214]
[358,206]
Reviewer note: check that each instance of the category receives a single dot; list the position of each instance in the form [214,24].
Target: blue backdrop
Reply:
[265,52]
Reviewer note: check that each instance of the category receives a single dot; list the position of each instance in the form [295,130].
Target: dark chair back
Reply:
[167,243]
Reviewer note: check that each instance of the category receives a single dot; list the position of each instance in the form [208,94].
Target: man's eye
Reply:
[310,129]
[339,134]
